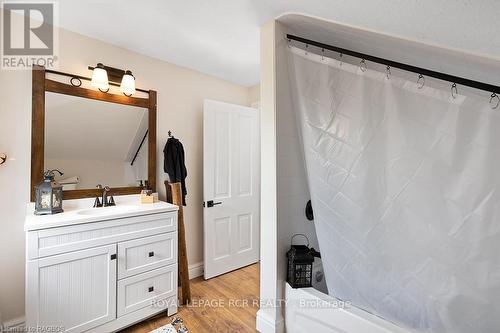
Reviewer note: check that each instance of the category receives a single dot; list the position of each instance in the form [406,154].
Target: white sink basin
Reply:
[106,210]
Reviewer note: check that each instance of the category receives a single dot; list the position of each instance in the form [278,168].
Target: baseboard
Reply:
[195,270]
[265,323]
[13,323]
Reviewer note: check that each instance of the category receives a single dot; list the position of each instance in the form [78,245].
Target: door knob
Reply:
[211,203]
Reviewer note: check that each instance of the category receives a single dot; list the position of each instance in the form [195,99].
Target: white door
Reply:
[76,290]
[231,186]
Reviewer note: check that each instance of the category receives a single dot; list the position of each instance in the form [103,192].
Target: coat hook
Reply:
[420,81]
[494,106]
[454,90]
[362,65]
[3,158]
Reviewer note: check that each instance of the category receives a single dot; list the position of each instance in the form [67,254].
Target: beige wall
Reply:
[254,94]
[180,98]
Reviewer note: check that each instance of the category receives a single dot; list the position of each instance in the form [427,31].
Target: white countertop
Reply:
[79,211]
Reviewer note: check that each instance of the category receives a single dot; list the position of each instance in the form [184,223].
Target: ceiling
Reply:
[221,37]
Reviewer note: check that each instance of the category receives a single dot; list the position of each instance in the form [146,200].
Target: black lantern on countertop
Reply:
[48,195]
[300,264]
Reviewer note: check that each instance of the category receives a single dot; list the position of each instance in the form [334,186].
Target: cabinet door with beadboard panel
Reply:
[75,291]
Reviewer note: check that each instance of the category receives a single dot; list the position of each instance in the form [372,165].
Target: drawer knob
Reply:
[150,289]
[151,254]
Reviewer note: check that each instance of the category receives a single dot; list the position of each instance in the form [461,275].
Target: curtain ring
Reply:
[454,90]
[420,81]
[341,59]
[295,235]
[307,47]
[388,72]
[362,65]
[289,43]
[493,96]
[322,54]
[104,91]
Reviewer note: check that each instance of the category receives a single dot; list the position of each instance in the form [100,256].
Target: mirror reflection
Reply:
[94,142]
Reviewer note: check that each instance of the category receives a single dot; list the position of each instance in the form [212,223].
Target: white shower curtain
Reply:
[405,188]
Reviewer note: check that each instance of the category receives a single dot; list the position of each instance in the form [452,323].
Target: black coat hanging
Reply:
[174,164]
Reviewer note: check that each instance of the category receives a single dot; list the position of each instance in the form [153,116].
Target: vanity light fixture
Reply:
[100,78]
[104,76]
[127,87]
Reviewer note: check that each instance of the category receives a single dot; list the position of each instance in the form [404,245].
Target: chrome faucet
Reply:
[105,191]
[105,202]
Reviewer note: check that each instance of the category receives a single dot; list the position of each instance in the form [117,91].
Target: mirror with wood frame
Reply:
[93,137]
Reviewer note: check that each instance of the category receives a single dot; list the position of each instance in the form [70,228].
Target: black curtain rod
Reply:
[425,72]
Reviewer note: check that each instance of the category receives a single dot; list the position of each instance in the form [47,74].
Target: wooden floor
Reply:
[227,303]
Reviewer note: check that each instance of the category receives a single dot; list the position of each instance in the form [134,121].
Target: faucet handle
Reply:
[97,203]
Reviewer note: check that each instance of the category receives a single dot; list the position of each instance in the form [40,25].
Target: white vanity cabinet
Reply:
[103,270]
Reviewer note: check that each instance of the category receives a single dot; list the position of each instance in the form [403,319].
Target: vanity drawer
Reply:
[144,254]
[141,290]
[48,242]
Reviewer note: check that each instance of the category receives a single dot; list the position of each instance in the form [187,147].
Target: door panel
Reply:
[222,168]
[244,176]
[76,290]
[244,232]
[231,173]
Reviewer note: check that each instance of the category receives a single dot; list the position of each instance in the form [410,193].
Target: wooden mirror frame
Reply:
[41,85]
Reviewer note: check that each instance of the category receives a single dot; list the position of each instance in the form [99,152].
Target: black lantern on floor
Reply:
[48,195]
[300,263]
